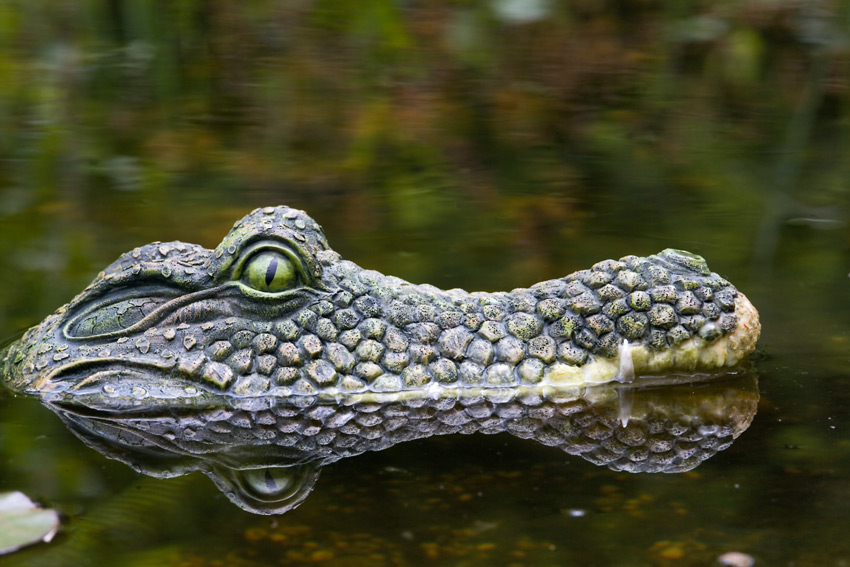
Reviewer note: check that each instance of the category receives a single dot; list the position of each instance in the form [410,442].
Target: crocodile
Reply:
[271,355]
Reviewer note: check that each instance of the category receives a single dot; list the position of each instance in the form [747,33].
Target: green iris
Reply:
[270,271]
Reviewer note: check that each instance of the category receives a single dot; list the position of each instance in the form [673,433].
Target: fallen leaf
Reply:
[23,523]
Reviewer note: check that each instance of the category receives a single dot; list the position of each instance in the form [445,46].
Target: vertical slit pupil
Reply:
[270,271]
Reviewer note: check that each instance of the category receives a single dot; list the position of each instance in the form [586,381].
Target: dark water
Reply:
[431,148]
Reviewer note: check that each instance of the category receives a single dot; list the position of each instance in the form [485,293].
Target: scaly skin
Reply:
[274,318]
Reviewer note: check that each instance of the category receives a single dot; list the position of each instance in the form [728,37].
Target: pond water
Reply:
[431,149]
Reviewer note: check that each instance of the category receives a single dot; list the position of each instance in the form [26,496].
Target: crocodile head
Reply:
[274,318]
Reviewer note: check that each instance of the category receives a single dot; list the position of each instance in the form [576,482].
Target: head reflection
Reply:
[267,459]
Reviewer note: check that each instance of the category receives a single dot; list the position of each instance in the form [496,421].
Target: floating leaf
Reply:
[23,523]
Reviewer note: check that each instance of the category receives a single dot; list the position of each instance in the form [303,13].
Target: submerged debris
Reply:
[736,559]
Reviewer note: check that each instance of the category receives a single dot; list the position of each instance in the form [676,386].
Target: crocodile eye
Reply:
[270,271]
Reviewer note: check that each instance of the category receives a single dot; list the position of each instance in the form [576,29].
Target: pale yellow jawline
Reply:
[693,355]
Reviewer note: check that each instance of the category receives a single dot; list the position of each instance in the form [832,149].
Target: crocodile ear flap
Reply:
[290,228]
[268,490]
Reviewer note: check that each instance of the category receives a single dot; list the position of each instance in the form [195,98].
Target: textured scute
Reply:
[393,326]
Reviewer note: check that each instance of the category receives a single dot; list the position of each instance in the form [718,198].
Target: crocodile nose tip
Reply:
[13,371]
